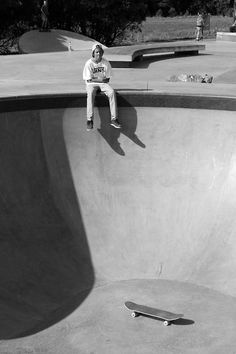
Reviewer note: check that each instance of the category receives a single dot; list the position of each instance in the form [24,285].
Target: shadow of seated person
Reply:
[129,121]
[110,135]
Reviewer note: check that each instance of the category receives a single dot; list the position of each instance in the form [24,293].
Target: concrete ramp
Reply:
[45,266]
[90,220]
[54,41]
[158,199]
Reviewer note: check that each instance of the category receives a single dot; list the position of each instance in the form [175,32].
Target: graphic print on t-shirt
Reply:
[98,72]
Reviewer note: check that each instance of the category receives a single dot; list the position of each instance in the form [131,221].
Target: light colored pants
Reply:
[199,32]
[91,89]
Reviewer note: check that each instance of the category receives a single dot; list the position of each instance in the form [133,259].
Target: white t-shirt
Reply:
[99,70]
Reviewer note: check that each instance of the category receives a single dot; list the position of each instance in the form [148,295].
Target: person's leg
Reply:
[111,94]
[91,93]
[43,21]
[47,24]
[197,33]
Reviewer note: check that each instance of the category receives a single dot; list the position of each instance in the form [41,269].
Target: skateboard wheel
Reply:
[134,314]
[166,323]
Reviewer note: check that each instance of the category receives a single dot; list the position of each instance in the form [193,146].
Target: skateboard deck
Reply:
[137,310]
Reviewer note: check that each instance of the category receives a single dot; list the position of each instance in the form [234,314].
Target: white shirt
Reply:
[99,70]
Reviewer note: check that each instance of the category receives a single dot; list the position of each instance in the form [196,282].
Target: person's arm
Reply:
[89,77]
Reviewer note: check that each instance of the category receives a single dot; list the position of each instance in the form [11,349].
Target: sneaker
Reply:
[115,123]
[89,125]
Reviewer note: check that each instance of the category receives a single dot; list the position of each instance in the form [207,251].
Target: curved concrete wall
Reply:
[158,197]
[45,265]
[154,200]
[158,200]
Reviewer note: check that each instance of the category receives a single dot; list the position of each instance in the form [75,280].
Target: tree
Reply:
[14,11]
[181,6]
[8,9]
[104,20]
[107,20]
[233,4]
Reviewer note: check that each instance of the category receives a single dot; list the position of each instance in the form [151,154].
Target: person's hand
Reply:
[104,80]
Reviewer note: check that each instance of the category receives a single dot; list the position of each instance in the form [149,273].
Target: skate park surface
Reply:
[145,214]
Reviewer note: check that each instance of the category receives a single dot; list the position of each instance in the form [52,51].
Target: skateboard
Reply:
[137,310]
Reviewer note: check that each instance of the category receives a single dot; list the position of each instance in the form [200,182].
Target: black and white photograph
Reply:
[117,177]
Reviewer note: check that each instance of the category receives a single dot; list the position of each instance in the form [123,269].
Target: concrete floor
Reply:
[91,220]
[103,325]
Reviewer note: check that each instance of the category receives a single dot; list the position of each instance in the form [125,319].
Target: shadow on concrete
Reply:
[145,61]
[45,266]
[183,322]
[129,125]
[229,77]
[62,40]
[55,40]
[134,90]
[179,322]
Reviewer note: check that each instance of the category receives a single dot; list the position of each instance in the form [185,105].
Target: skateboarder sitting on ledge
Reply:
[97,72]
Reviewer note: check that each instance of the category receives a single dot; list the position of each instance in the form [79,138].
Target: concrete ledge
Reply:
[124,98]
[226,36]
[134,52]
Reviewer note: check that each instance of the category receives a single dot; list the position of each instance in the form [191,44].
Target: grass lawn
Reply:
[156,29]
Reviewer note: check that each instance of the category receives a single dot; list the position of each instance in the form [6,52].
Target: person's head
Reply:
[97,52]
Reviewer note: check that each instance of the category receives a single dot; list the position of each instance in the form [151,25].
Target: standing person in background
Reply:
[44,16]
[97,73]
[199,28]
